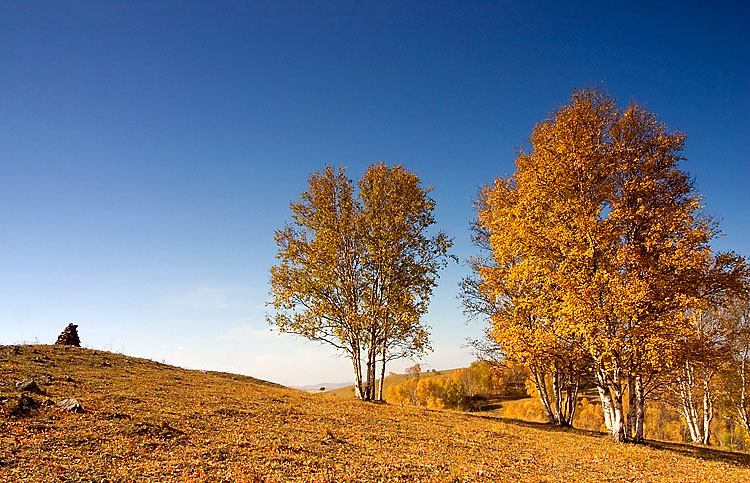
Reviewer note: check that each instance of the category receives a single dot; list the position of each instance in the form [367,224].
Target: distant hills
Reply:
[329,386]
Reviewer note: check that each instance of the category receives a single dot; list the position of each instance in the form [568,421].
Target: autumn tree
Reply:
[512,289]
[704,362]
[597,246]
[357,271]
[736,379]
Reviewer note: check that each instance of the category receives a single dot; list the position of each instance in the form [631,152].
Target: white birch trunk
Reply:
[541,389]
[382,377]
[606,399]
[557,394]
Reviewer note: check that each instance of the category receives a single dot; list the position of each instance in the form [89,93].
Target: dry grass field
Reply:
[146,421]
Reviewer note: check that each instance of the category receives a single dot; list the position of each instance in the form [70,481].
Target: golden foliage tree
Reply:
[597,246]
[705,357]
[736,379]
[357,271]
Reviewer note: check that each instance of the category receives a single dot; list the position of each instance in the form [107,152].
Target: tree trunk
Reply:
[557,394]
[630,430]
[692,424]
[640,410]
[698,422]
[610,392]
[382,375]
[618,421]
[541,389]
[572,400]
[605,396]
[369,393]
[357,363]
[742,408]
[708,408]
[689,411]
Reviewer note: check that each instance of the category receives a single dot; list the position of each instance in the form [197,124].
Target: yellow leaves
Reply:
[595,239]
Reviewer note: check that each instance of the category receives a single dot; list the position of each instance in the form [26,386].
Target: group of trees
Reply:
[461,389]
[596,271]
[356,271]
[711,373]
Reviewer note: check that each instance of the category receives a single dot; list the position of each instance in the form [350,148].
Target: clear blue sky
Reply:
[148,150]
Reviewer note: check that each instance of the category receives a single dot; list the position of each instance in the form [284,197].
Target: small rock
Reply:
[69,379]
[71,405]
[48,402]
[24,406]
[28,385]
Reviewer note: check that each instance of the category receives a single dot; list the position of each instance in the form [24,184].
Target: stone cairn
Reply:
[69,336]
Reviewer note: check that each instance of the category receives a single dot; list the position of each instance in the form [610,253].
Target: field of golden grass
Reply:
[146,421]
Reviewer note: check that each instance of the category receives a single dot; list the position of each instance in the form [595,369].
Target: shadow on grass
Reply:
[685,449]
[701,452]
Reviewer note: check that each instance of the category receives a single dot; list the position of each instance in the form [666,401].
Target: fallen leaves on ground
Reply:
[146,421]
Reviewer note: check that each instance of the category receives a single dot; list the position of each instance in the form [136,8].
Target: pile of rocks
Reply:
[26,404]
[69,336]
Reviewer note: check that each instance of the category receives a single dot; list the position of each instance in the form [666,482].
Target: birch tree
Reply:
[600,241]
[357,271]
[706,354]
[736,380]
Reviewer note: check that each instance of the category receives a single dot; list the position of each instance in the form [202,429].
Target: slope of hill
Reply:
[146,421]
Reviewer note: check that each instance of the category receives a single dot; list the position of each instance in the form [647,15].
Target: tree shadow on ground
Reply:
[685,449]
[701,452]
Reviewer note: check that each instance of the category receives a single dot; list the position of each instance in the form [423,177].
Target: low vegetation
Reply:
[145,421]
[509,392]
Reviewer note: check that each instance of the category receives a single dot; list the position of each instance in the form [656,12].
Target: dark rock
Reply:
[69,336]
[24,406]
[28,385]
[69,379]
[47,402]
[71,405]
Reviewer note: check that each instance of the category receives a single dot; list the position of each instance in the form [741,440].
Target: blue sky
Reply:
[148,150]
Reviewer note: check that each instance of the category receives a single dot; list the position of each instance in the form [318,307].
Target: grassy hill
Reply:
[146,421]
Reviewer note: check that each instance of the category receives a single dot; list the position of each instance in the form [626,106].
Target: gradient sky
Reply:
[148,150]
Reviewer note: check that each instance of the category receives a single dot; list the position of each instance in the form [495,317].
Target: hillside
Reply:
[146,421]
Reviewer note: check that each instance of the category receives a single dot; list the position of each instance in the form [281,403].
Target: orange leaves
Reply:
[597,243]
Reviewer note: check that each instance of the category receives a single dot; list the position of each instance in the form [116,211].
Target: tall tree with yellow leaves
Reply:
[357,272]
[598,241]
[511,290]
